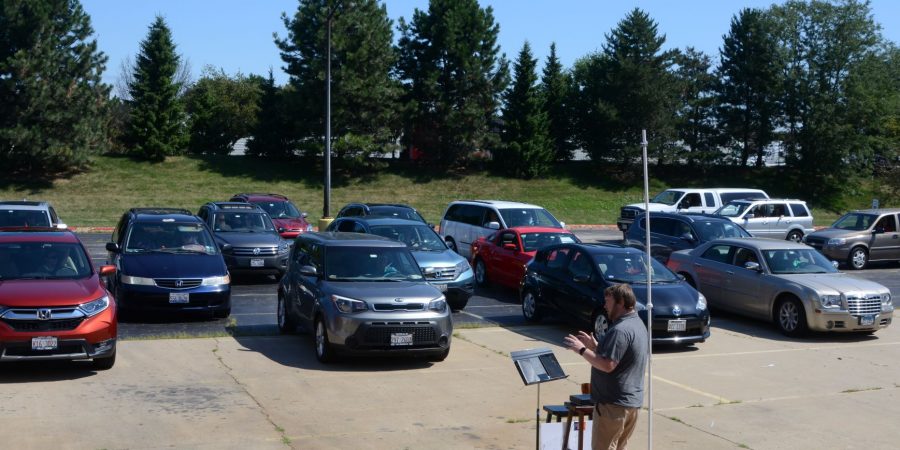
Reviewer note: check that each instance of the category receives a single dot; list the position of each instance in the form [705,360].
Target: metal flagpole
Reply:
[649,294]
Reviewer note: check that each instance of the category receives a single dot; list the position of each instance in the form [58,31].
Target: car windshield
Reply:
[534,241]
[855,221]
[43,260]
[23,218]
[667,197]
[797,261]
[280,210]
[416,237]
[243,222]
[630,268]
[733,209]
[371,264]
[396,212]
[718,229]
[170,237]
[529,217]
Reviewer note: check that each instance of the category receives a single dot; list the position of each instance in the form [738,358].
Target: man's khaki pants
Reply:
[613,425]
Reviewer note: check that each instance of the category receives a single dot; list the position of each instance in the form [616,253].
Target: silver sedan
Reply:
[788,283]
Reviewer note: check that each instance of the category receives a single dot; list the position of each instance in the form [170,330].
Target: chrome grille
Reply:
[44,325]
[441,274]
[399,306]
[815,242]
[35,319]
[251,251]
[381,334]
[864,305]
[173,283]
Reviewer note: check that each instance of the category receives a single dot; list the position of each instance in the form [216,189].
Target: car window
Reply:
[280,209]
[243,222]
[855,221]
[710,199]
[580,265]
[887,223]
[732,209]
[718,253]
[799,210]
[370,264]
[779,210]
[557,258]
[534,241]
[729,196]
[508,237]
[53,217]
[539,217]
[471,214]
[797,261]
[662,225]
[395,212]
[667,197]
[744,255]
[346,226]
[691,200]
[717,229]
[453,213]
[24,218]
[416,237]
[489,216]
[43,260]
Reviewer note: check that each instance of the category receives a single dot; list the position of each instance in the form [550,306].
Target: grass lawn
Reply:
[577,193]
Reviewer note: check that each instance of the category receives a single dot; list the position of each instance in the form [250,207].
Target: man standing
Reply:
[617,369]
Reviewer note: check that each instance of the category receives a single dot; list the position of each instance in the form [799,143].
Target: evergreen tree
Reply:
[269,137]
[528,149]
[156,127]
[364,109]
[454,77]
[555,89]
[53,106]
[749,84]
[696,113]
[222,110]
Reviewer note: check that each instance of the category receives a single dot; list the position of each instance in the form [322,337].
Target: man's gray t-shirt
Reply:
[626,343]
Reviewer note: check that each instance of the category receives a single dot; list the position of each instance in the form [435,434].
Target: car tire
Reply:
[480,273]
[790,317]
[438,357]
[324,351]
[858,258]
[794,236]
[222,313]
[286,323]
[599,325]
[530,308]
[451,244]
[104,363]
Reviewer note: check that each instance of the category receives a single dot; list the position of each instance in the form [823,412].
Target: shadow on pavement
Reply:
[44,371]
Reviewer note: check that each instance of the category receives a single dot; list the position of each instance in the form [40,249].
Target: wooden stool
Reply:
[558,411]
[582,411]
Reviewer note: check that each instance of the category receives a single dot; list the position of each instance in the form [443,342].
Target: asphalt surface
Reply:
[254,300]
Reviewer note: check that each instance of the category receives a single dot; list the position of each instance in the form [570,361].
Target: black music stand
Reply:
[536,366]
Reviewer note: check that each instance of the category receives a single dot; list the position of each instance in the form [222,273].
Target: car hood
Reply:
[446,258]
[829,233]
[653,206]
[290,224]
[667,296]
[165,265]
[831,282]
[35,293]
[238,239]
[386,291]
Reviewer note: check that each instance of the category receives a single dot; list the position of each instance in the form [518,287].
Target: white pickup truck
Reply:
[687,200]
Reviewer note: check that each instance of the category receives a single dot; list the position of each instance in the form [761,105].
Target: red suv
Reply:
[289,221]
[53,304]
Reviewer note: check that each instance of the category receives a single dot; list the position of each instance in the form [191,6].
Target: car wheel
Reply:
[795,236]
[286,323]
[104,363]
[324,352]
[600,325]
[222,313]
[480,272]
[451,244]
[440,356]
[530,309]
[790,317]
[858,258]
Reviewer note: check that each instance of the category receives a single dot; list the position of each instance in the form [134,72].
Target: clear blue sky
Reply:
[236,35]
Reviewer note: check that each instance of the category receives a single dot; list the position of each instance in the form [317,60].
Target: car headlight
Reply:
[284,247]
[94,307]
[348,305]
[439,304]
[701,302]
[834,242]
[885,303]
[140,281]
[462,266]
[830,301]
[216,281]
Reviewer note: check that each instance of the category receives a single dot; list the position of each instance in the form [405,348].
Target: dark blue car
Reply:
[167,261]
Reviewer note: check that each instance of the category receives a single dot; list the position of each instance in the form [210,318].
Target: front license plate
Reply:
[257,263]
[44,343]
[865,321]
[179,297]
[441,287]
[677,325]
[399,339]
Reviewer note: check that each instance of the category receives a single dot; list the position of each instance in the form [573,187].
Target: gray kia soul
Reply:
[362,294]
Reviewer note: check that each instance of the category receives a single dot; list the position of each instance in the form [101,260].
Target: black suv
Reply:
[672,232]
[392,210]
[167,260]
[255,245]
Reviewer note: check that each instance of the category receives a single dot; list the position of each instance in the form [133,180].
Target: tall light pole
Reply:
[326,216]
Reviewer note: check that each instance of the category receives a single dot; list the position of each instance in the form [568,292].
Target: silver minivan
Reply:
[770,218]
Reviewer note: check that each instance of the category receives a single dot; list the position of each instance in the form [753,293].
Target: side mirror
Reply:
[309,271]
[754,266]
[61,226]
[749,216]
[106,271]
[225,247]
[432,226]
[581,279]
[493,225]
[688,237]
[510,246]
[112,247]
[562,224]
[304,215]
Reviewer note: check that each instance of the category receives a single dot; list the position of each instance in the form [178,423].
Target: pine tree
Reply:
[53,106]
[156,127]
[555,89]
[454,76]
[528,149]
[696,124]
[269,137]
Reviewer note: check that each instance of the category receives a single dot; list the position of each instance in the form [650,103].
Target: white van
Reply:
[687,200]
[465,221]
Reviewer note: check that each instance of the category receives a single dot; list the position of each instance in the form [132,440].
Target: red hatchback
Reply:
[53,304]
[501,256]
[288,220]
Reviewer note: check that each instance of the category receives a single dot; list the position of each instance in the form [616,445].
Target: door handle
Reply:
[729,272]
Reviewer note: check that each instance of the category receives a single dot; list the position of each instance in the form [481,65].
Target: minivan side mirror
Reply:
[304,215]
[562,224]
[112,247]
[61,226]
[309,271]
[749,216]
[493,225]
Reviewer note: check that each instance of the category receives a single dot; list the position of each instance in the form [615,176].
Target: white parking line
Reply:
[254,295]
[493,306]
[254,314]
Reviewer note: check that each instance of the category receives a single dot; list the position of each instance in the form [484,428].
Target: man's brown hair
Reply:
[621,293]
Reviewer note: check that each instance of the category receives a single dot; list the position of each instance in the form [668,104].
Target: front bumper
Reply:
[843,321]
[370,333]
[67,349]
[270,264]
[459,290]
[696,330]
[93,337]
[157,299]
[623,224]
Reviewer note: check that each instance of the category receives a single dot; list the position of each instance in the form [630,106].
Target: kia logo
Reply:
[44,314]
[256,251]
[179,283]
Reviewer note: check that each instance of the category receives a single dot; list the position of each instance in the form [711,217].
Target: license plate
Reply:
[398,339]
[441,287]
[44,343]
[179,297]
[866,320]
[677,325]
[257,263]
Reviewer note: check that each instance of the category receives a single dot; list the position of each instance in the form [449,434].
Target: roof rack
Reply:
[236,205]
[270,194]
[161,211]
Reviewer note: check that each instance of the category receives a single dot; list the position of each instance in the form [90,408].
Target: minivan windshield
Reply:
[280,209]
[170,237]
[370,264]
[529,217]
[855,221]
[630,268]
[416,237]
[667,197]
[43,260]
[733,209]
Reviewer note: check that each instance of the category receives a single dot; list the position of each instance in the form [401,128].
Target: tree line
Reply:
[811,82]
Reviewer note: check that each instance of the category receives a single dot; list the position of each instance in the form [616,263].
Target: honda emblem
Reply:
[44,314]
[179,283]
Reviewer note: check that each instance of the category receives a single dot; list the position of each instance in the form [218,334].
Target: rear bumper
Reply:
[67,349]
